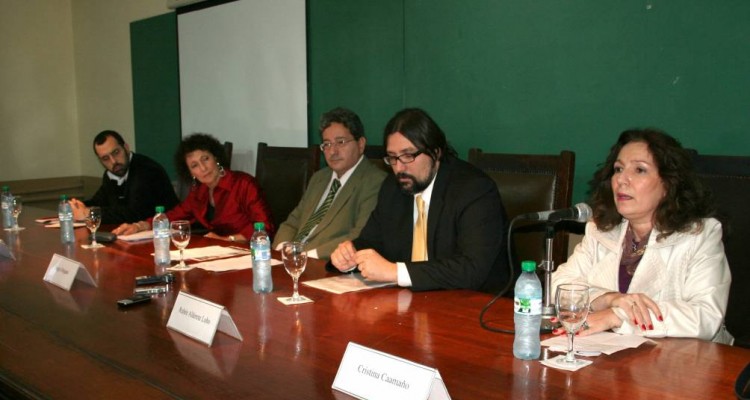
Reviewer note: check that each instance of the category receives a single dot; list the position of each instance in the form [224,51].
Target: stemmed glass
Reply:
[295,259]
[180,238]
[16,205]
[93,220]
[572,305]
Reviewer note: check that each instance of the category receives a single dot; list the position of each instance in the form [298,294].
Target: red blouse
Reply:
[239,203]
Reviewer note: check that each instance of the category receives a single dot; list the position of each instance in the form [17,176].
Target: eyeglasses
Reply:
[338,143]
[405,158]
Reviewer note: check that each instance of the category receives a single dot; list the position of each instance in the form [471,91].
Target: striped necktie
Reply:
[318,215]
[419,241]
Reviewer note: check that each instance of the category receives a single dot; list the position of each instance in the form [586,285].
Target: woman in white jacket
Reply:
[652,255]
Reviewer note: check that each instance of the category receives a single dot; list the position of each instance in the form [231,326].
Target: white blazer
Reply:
[686,274]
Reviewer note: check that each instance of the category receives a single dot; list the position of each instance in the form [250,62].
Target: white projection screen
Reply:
[243,75]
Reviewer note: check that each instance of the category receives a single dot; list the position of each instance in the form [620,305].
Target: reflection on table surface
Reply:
[78,344]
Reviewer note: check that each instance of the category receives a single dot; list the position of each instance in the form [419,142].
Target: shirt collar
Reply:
[427,192]
[121,179]
[345,177]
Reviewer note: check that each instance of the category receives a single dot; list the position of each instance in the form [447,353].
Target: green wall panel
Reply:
[355,60]
[156,88]
[541,76]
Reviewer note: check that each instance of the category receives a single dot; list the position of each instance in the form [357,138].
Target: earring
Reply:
[221,170]
[195,182]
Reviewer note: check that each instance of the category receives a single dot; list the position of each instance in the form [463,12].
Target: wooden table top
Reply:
[78,344]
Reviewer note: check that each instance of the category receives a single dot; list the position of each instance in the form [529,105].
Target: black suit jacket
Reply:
[147,186]
[466,230]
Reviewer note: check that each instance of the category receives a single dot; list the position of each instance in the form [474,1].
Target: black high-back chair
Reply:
[530,183]
[375,154]
[283,173]
[728,178]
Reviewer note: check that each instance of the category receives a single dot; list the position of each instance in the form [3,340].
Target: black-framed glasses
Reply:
[338,143]
[405,158]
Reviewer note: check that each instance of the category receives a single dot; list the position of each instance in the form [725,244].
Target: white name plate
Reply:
[63,271]
[370,374]
[5,251]
[200,319]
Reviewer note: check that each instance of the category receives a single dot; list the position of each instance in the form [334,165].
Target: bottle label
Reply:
[261,254]
[527,306]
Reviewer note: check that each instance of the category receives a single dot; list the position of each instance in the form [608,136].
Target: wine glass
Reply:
[16,206]
[93,220]
[572,305]
[295,259]
[180,231]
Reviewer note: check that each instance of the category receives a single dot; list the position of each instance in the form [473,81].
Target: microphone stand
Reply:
[548,266]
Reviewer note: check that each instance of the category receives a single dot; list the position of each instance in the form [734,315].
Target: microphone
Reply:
[580,212]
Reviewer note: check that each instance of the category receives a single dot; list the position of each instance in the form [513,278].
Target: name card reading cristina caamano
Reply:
[200,319]
[370,374]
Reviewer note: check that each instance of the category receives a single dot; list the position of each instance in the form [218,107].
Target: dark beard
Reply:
[416,186]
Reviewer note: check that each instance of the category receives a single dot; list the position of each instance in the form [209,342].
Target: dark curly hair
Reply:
[198,141]
[686,201]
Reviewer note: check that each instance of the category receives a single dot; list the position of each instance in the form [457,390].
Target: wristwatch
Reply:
[231,238]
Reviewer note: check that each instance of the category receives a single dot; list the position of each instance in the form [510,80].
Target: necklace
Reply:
[634,250]
[635,246]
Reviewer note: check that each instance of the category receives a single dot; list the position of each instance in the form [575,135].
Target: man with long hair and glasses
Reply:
[439,222]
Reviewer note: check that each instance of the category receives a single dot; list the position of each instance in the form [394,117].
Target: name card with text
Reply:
[5,251]
[370,374]
[63,271]
[200,319]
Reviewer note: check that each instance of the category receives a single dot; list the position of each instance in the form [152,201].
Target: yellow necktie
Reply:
[419,241]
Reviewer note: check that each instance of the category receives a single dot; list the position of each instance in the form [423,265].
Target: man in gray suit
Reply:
[339,199]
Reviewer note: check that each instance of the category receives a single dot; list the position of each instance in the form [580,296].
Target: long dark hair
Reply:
[417,126]
[686,201]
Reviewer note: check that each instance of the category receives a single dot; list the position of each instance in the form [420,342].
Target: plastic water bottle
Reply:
[7,212]
[527,313]
[65,215]
[162,235]
[260,245]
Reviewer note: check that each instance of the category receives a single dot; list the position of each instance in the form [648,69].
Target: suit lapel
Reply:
[343,196]
[652,271]
[437,203]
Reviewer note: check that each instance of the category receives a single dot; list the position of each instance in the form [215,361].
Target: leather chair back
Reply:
[375,154]
[283,173]
[530,183]
[728,178]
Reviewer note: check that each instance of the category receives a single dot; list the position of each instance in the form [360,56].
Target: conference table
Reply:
[60,344]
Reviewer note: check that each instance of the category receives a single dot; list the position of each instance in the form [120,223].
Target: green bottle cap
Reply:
[259,226]
[528,266]
[6,188]
[159,209]
[63,197]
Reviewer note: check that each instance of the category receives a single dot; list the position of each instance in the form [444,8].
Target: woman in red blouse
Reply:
[225,202]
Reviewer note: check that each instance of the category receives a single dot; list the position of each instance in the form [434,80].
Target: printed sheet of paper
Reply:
[346,283]
[209,253]
[605,342]
[137,237]
[230,264]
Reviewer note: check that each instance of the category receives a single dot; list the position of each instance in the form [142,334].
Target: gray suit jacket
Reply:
[347,215]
